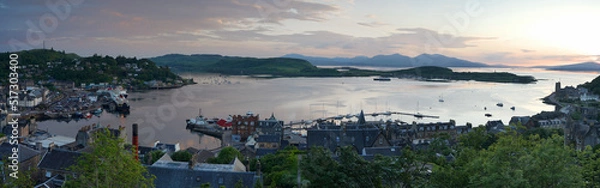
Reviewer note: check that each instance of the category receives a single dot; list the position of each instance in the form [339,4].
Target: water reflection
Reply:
[161,114]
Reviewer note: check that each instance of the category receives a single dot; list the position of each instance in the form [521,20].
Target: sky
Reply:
[508,32]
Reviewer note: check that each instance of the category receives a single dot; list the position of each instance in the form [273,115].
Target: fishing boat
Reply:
[382,79]
[500,104]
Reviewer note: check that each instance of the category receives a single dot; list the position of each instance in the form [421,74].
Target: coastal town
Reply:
[249,143]
[576,114]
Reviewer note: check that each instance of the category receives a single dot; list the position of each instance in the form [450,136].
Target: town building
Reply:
[243,126]
[582,134]
[356,134]
[169,173]
[56,163]
[270,126]
[27,157]
[85,135]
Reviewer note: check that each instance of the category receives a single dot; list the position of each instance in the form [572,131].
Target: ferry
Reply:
[117,98]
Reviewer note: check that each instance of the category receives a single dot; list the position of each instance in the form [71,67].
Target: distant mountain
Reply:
[393,60]
[585,66]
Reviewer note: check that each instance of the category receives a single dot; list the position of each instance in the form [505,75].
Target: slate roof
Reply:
[269,138]
[170,148]
[191,150]
[336,136]
[182,178]
[385,151]
[522,119]
[264,151]
[58,159]
[24,152]
[202,156]
[54,182]
[495,127]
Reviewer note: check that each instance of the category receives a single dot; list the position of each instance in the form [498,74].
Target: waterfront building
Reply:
[243,126]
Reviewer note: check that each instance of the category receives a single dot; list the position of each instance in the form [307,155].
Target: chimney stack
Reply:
[134,141]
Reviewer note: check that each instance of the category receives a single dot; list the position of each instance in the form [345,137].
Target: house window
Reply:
[337,139]
[220,180]
[380,140]
[48,174]
[367,139]
[198,178]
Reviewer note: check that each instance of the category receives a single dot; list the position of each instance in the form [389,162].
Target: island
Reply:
[291,67]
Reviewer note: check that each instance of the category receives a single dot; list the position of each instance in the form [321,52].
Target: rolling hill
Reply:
[393,60]
[585,66]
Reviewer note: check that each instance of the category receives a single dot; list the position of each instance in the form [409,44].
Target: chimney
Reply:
[134,141]
[51,147]
[38,146]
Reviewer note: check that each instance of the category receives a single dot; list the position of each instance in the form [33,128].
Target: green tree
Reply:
[23,179]
[513,161]
[225,156]
[205,185]
[239,184]
[281,168]
[478,139]
[182,156]
[108,165]
[589,159]
[153,156]
[320,168]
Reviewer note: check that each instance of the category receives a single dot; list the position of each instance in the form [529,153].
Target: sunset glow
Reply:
[492,32]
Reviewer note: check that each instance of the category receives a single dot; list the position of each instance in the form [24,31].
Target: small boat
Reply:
[500,104]
[77,115]
[488,115]
[441,99]
[418,115]
[97,111]
[512,108]
[383,79]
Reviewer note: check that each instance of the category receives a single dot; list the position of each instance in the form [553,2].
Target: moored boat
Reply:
[383,79]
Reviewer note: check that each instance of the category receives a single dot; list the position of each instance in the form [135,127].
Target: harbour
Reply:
[161,114]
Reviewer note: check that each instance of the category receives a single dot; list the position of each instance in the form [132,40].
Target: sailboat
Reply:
[441,99]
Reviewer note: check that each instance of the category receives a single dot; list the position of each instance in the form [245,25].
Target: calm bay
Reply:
[161,114]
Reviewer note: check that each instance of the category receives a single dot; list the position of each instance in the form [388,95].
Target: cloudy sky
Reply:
[511,32]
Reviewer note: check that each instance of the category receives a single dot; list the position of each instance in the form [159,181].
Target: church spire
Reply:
[361,118]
